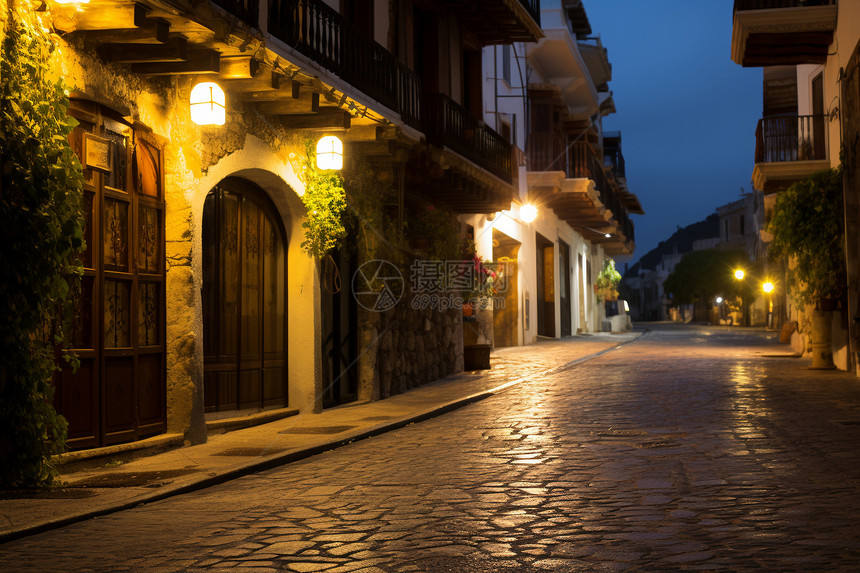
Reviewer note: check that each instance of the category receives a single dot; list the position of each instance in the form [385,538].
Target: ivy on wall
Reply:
[325,201]
[42,238]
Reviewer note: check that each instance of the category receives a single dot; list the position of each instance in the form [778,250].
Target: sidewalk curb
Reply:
[286,458]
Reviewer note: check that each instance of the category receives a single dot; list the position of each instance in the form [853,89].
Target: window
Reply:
[506,63]
[743,228]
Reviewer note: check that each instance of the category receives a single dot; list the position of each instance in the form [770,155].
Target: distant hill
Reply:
[681,241]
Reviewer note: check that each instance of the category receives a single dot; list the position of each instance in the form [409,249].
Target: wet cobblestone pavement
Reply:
[683,451]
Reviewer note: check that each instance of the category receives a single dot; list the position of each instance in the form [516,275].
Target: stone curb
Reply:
[282,459]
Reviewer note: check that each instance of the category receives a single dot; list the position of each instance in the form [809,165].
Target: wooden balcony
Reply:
[789,148]
[581,193]
[448,124]
[323,35]
[499,21]
[782,32]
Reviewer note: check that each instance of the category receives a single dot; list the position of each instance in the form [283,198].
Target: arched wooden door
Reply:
[244,299]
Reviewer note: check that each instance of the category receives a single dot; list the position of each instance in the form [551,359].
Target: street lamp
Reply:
[739,274]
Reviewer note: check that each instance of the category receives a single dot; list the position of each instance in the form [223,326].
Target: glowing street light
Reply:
[767,287]
[719,300]
[739,274]
[528,213]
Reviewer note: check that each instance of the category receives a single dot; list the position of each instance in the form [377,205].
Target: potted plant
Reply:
[807,227]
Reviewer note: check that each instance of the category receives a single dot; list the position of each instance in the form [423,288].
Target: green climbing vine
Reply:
[42,238]
[325,201]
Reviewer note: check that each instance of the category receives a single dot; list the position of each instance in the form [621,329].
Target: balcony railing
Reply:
[533,8]
[546,152]
[246,10]
[741,5]
[584,163]
[323,35]
[447,123]
[791,138]
[612,157]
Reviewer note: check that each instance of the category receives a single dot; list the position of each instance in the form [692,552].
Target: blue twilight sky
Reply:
[687,113]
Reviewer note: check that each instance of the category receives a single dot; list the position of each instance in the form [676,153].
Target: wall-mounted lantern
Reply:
[330,153]
[528,213]
[208,104]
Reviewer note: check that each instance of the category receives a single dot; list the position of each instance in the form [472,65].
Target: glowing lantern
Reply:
[208,104]
[528,213]
[330,153]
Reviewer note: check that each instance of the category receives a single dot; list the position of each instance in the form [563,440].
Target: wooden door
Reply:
[545,287]
[339,329]
[244,298]
[564,287]
[118,325]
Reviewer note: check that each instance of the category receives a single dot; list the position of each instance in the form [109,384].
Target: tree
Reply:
[702,276]
[807,228]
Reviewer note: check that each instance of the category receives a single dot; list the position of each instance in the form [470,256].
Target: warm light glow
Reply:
[626,307]
[767,287]
[72,1]
[739,274]
[528,213]
[330,153]
[719,300]
[208,104]
[607,235]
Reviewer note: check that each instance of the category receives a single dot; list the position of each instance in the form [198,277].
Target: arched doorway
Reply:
[244,299]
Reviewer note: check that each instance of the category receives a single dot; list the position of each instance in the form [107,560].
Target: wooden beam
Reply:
[266,80]
[198,62]
[239,67]
[151,32]
[175,50]
[325,120]
[308,104]
[106,17]
[364,133]
[288,89]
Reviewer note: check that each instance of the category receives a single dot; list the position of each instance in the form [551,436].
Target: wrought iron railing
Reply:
[323,35]
[584,163]
[246,10]
[612,157]
[768,4]
[447,123]
[533,8]
[546,152]
[791,138]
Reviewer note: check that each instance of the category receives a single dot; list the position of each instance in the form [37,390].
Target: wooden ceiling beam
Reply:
[150,32]
[174,50]
[198,62]
[239,67]
[324,120]
[266,80]
[106,17]
[303,105]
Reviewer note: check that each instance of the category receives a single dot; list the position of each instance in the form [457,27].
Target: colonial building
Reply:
[203,306]
[199,308]
[809,52]
[551,96]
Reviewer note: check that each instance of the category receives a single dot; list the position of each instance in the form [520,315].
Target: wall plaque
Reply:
[96,152]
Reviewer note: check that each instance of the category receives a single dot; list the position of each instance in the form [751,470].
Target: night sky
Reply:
[687,113]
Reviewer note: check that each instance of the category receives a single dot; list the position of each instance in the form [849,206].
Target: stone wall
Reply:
[416,346]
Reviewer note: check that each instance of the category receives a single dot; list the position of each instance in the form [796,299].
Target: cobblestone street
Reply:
[681,451]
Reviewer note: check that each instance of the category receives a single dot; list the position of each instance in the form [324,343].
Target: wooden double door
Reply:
[117,326]
[244,299]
